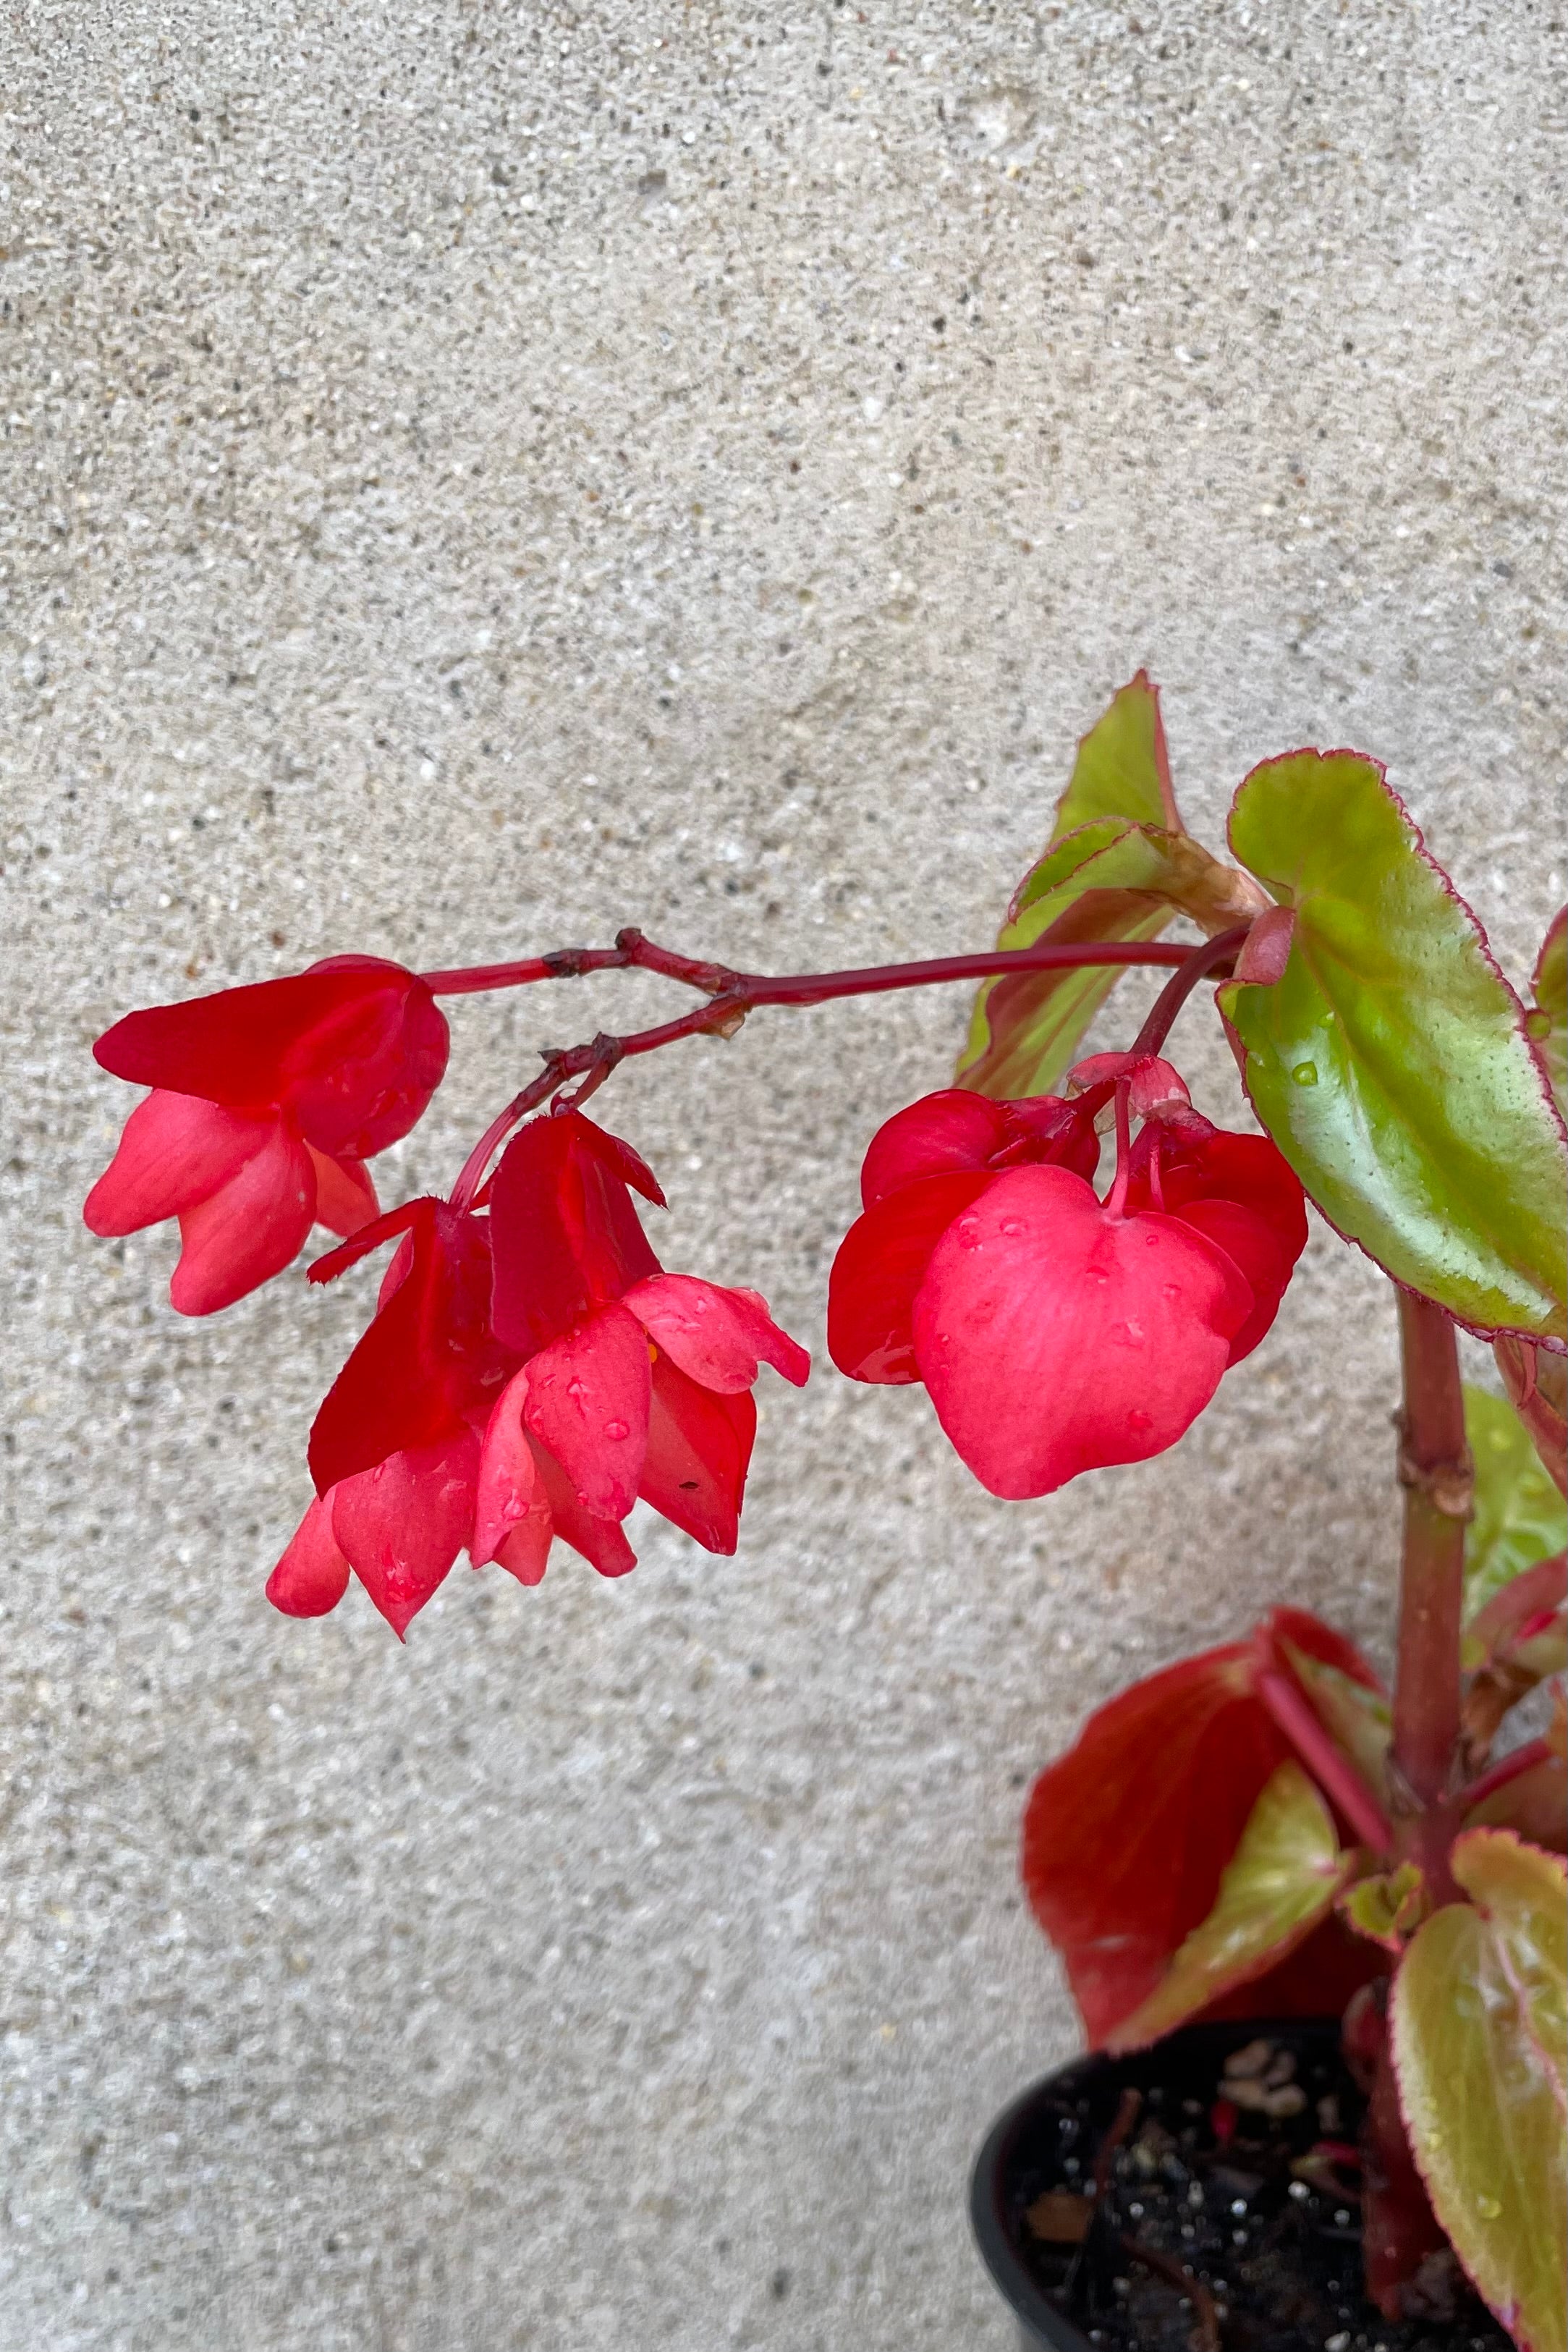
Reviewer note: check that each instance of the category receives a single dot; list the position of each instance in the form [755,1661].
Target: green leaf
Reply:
[1106,881]
[1388,1909]
[1117,868]
[1479,2020]
[1548,1024]
[1520,1516]
[1359,1720]
[1280,1881]
[1123,768]
[1390,1062]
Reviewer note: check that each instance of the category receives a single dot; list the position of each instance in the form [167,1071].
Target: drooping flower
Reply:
[265,1103]
[529,1373]
[1055,1332]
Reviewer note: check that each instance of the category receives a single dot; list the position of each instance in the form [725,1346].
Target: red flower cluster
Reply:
[266,1103]
[529,1373]
[1056,1332]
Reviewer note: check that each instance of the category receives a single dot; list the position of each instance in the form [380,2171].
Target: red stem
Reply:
[632,952]
[1523,1758]
[1298,1719]
[731,996]
[1200,961]
[1438,1475]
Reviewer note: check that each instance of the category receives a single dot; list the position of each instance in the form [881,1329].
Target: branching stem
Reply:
[731,996]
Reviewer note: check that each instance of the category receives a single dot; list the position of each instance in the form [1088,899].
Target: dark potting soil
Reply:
[1218,2228]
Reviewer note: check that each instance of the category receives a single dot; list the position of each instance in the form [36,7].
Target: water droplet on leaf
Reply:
[1305,1074]
[1489,2208]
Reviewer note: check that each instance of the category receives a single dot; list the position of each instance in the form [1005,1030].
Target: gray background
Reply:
[477,476]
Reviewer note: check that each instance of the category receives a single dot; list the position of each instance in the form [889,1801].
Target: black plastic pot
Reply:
[1025,2149]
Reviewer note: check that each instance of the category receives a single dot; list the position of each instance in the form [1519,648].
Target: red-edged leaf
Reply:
[1127,1836]
[1479,2034]
[1280,1881]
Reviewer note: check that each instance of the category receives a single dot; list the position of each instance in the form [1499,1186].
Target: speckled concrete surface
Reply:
[476,476]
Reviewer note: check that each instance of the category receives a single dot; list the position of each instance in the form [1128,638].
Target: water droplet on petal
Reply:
[1139,1422]
[617,1429]
[1012,1225]
[1305,1074]
[970,1232]
[378,1472]
[1170,1290]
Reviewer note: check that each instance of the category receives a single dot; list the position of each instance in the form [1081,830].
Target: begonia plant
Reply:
[1261,1830]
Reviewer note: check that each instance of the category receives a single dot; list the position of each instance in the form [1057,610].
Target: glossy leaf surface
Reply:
[1480,2018]
[1548,1023]
[1280,1881]
[1389,1061]
[1520,1516]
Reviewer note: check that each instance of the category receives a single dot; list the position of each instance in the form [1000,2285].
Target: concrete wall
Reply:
[476,476]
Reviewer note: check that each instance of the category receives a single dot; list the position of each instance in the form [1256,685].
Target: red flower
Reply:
[1057,1333]
[265,1103]
[496,1408]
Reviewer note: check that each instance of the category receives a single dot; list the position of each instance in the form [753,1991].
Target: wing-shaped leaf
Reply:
[1280,1881]
[1479,2018]
[1105,881]
[1548,1024]
[1117,868]
[1390,1061]
[1520,1516]
[1123,768]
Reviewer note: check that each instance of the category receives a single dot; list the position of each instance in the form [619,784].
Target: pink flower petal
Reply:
[698,1448]
[588,1402]
[934,1136]
[715,1335]
[174,1151]
[601,1541]
[312,1576]
[881,1264]
[511,1510]
[247,1231]
[345,1196]
[1055,1338]
[402,1525]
